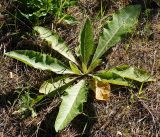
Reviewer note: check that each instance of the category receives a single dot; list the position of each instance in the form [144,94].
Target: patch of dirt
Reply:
[126,114]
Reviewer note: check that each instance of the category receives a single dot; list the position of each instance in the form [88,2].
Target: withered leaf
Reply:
[101,88]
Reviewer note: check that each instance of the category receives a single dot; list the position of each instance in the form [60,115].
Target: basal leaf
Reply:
[55,42]
[39,61]
[86,42]
[72,104]
[84,68]
[132,73]
[74,68]
[94,65]
[112,78]
[121,24]
[52,86]
[126,72]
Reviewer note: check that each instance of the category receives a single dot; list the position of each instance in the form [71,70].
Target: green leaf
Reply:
[69,19]
[74,68]
[84,68]
[53,86]
[72,104]
[55,42]
[39,61]
[126,72]
[86,42]
[94,65]
[35,15]
[37,99]
[121,24]
[112,78]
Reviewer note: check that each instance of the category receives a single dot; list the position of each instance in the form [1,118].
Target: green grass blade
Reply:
[72,104]
[56,43]
[121,24]
[39,61]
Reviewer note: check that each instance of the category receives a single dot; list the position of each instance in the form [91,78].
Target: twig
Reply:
[154,61]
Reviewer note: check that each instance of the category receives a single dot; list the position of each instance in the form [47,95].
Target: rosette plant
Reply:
[74,81]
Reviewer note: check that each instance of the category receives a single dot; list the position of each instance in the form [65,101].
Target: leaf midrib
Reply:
[84,49]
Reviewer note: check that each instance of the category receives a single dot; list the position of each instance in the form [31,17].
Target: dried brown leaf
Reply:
[101,88]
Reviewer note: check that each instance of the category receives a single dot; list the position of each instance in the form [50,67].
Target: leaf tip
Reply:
[56,127]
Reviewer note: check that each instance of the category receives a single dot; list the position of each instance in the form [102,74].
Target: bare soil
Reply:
[126,114]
